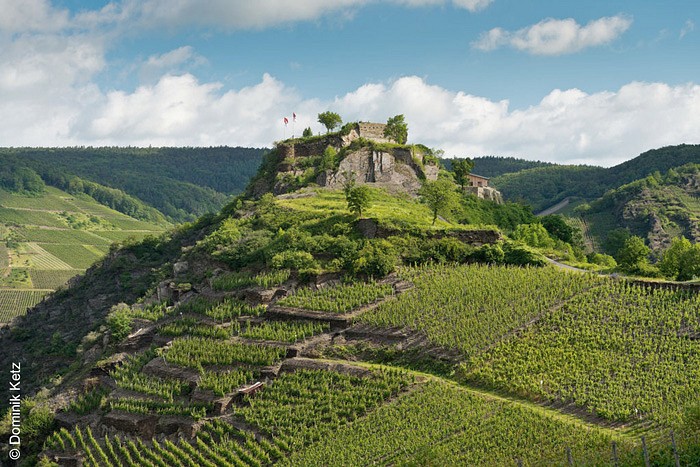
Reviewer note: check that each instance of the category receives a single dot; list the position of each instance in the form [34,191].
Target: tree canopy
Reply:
[330,120]
[397,129]
[439,195]
[358,198]
[462,168]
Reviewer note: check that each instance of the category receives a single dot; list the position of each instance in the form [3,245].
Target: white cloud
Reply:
[176,61]
[568,126]
[30,15]
[471,5]
[687,28]
[556,36]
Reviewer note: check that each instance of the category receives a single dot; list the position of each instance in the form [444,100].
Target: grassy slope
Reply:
[56,236]
[390,211]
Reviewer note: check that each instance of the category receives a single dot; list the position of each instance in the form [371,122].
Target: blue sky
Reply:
[593,82]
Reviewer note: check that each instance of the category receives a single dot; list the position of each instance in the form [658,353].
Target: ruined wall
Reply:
[373,131]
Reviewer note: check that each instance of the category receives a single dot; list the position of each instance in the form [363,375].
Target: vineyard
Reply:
[471,306]
[237,280]
[621,351]
[338,299]
[52,278]
[440,424]
[535,334]
[77,256]
[15,302]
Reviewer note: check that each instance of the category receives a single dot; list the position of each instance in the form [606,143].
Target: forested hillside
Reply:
[182,183]
[542,187]
[493,166]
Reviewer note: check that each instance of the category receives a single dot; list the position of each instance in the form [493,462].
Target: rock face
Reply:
[394,169]
[485,192]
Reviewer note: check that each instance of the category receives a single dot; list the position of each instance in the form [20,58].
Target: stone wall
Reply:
[485,192]
[373,131]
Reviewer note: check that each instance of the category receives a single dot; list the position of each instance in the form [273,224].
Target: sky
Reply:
[585,82]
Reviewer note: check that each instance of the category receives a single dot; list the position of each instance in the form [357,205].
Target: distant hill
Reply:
[182,183]
[49,236]
[657,208]
[493,166]
[544,186]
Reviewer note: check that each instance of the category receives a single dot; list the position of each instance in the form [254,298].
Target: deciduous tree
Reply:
[330,120]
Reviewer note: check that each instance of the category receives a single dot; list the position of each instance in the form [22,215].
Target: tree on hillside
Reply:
[462,168]
[396,129]
[557,227]
[359,199]
[681,261]
[633,253]
[330,120]
[307,132]
[439,195]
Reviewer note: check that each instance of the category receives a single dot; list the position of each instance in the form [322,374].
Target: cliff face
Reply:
[394,169]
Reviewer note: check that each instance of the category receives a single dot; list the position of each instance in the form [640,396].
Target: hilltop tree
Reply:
[307,132]
[396,129]
[462,168]
[330,120]
[359,199]
[439,195]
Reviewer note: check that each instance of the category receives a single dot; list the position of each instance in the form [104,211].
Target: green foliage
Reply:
[359,198]
[521,255]
[191,181]
[88,402]
[377,258]
[493,166]
[238,280]
[396,129]
[633,253]
[681,260]
[602,260]
[281,331]
[558,228]
[224,382]
[329,160]
[338,299]
[462,168]
[291,259]
[330,120]
[439,195]
[20,180]
[615,241]
[534,235]
[119,321]
[307,133]
[507,216]
[196,352]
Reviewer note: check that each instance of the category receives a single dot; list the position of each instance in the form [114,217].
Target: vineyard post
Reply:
[646,453]
[614,449]
[569,456]
[675,450]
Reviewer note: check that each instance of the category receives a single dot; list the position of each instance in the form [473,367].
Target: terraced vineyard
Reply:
[53,237]
[621,351]
[470,307]
[206,394]
[337,299]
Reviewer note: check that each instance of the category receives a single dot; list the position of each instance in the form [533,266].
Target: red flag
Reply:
[286,120]
[294,116]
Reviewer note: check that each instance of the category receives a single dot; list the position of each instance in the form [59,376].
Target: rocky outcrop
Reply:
[485,192]
[394,168]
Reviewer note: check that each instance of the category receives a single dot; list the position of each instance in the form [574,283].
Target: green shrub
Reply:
[291,259]
[376,259]
[602,260]
[489,254]
[119,321]
[519,254]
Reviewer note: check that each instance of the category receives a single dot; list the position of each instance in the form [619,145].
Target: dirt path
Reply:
[552,209]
